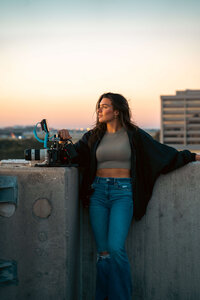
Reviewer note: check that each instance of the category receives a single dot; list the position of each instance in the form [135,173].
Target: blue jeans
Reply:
[111,211]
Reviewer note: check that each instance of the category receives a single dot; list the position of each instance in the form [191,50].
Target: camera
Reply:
[57,153]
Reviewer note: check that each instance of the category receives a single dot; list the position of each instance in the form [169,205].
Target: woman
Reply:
[120,164]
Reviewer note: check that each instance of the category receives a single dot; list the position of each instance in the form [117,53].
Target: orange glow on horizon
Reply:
[61,78]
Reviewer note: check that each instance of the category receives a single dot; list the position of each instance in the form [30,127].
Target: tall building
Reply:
[180,120]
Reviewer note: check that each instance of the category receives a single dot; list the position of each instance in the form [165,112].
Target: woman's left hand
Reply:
[197,157]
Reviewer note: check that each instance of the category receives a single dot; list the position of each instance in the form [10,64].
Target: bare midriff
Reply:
[116,173]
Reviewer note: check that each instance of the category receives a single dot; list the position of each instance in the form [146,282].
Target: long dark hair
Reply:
[120,104]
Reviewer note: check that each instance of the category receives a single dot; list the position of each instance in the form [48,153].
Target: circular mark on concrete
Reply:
[41,252]
[42,208]
[42,236]
[38,251]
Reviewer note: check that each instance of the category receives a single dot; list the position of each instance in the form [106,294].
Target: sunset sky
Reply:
[58,57]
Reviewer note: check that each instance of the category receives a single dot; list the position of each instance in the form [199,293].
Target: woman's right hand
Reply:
[64,134]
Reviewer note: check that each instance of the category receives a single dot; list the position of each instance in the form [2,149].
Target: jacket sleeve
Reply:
[162,158]
[83,151]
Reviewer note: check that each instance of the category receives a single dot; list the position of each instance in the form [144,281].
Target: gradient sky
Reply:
[58,57]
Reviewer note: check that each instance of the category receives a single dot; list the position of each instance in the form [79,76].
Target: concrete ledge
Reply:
[51,243]
[164,246]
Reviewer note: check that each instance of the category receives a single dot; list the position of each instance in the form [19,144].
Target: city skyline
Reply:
[57,58]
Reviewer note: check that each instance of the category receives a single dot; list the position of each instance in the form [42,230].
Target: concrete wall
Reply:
[163,247]
[39,243]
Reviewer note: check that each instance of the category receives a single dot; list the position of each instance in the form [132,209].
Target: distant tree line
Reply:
[16,130]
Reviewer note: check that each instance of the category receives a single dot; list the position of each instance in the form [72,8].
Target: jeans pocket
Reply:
[124,186]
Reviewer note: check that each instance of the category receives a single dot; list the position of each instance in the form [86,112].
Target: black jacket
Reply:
[149,159]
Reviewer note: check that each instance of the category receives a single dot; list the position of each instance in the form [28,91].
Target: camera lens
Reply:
[35,154]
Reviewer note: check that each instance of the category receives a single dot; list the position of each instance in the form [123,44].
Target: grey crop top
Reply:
[114,151]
